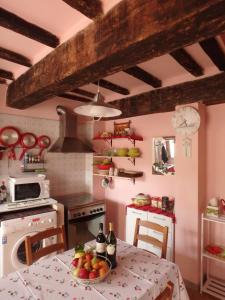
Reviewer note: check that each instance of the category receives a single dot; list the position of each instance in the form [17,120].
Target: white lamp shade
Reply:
[98,108]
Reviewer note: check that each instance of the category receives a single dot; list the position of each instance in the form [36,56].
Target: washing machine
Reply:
[14,229]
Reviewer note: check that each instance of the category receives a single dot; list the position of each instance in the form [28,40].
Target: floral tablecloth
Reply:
[138,276]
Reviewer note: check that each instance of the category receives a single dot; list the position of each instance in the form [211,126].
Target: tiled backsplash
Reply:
[67,172]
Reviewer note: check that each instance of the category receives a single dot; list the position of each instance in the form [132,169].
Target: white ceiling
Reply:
[62,20]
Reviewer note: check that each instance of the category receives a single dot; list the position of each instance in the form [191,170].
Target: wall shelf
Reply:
[132,138]
[125,176]
[131,159]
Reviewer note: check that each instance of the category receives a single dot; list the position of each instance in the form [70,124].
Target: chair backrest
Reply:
[149,239]
[167,293]
[59,245]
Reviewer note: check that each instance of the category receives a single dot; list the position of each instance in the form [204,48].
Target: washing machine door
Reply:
[18,254]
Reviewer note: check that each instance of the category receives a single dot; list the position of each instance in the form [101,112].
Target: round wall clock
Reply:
[186,120]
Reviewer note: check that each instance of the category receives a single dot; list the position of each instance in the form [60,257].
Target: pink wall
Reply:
[188,185]
[215,166]
[121,191]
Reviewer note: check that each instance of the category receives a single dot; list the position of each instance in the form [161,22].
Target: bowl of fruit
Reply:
[88,268]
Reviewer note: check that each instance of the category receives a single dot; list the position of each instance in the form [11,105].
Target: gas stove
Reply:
[83,214]
[81,205]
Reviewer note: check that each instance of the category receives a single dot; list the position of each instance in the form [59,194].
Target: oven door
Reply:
[84,229]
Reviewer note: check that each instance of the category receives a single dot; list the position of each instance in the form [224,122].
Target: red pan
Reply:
[10,137]
[44,142]
[28,141]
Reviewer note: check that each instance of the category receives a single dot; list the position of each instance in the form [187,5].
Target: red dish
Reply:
[104,167]
[214,249]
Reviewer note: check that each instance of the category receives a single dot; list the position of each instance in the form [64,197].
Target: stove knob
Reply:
[101,209]
[74,215]
[98,209]
[83,213]
[94,210]
[79,214]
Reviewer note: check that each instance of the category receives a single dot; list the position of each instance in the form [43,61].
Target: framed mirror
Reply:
[163,155]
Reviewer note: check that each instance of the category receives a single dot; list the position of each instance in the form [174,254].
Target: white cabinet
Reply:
[133,214]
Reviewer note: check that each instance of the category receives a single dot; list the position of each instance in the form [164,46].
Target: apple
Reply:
[83,273]
[76,272]
[89,256]
[93,274]
[87,265]
[75,262]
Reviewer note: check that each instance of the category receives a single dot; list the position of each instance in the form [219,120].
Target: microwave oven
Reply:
[28,188]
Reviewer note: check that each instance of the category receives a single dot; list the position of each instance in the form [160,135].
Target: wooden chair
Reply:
[167,293]
[149,239]
[60,245]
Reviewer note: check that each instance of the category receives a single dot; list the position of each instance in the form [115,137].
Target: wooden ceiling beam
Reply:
[34,32]
[112,87]
[6,74]
[84,93]
[187,62]
[130,33]
[89,8]
[74,97]
[3,81]
[15,57]
[215,53]
[210,90]
[144,76]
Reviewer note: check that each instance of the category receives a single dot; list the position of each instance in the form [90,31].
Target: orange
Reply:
[102,272]
[96,266]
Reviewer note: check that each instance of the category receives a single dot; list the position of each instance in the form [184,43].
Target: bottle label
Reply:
[100,247]
[111,249]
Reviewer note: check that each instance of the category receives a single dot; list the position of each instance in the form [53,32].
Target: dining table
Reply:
[139,275]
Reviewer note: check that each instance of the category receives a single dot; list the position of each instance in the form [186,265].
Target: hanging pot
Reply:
[44,142]
[28,141]
[10,137]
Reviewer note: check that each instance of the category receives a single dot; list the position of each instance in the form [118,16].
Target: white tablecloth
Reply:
[138,276]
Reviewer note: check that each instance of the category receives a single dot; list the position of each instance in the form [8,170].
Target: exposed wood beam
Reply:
[130,33]
[14,57]
[19,25]
[213,50]
[112,87]
[187,62]
[89,8]
[144,76]
[6,74]
[3,81]
[75,97]
[84,93]
[210,90]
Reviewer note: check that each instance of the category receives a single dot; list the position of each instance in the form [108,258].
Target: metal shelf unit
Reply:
[212,286]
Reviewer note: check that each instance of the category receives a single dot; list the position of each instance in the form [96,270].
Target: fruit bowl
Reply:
[90,269]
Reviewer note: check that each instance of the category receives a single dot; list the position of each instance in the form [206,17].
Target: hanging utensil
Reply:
[28,141]
[44,142]
[10,137]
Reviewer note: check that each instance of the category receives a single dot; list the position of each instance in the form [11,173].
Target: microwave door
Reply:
[27,191]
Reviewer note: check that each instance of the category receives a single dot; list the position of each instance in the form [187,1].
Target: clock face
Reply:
[186,121]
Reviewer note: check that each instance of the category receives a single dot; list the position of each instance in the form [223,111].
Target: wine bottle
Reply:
[111,246]
[3,191]
[101,242]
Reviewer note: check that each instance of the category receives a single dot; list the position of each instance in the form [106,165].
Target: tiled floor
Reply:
[195,295]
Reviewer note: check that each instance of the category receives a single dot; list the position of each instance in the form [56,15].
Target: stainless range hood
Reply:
[68,141]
